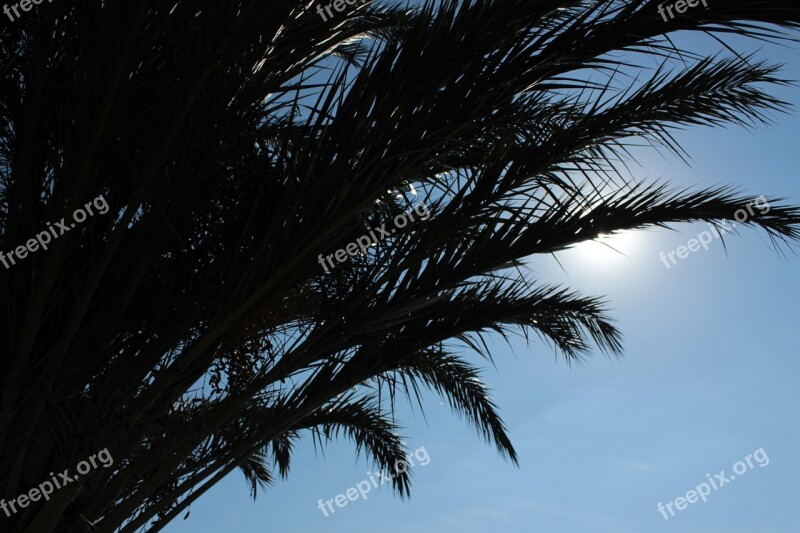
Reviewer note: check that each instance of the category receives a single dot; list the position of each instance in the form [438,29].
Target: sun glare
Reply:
[607,250]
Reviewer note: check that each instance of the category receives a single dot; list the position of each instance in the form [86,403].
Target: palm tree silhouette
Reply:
[191,331]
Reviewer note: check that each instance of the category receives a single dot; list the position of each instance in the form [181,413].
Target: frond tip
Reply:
[363,422]
[460,384]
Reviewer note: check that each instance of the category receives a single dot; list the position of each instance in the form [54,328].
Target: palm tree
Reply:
[192,330]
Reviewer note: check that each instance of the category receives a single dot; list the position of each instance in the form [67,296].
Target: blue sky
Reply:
[708,377]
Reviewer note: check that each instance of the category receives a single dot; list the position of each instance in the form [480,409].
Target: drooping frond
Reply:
[362,421]
[256,472]
[460,384]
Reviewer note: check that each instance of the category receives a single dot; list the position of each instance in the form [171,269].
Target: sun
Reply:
[606,250]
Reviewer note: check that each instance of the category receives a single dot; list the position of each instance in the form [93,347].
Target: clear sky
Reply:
[709,376]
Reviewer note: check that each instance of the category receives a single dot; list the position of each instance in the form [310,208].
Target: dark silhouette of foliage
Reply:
[192,330]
